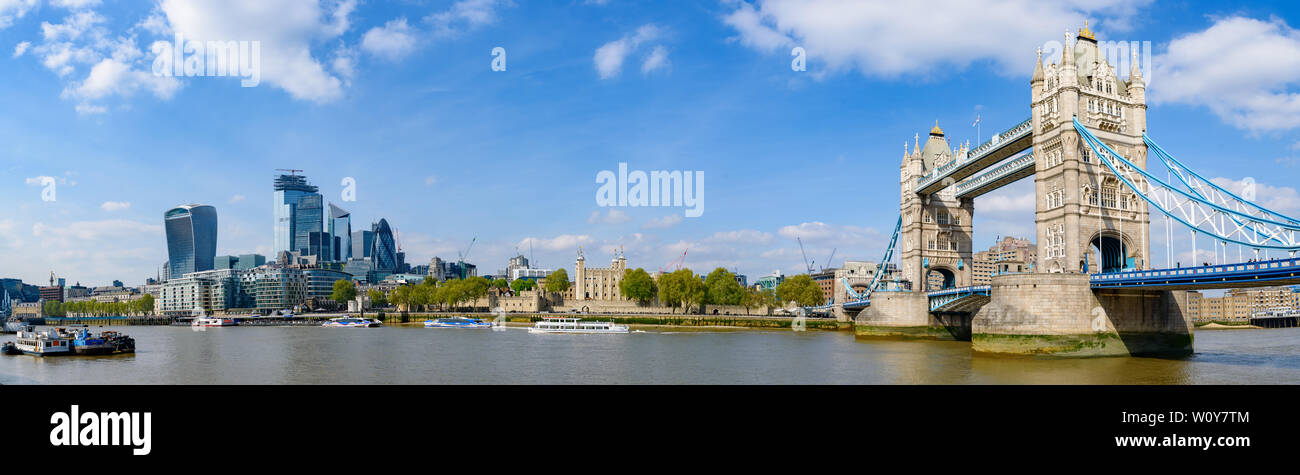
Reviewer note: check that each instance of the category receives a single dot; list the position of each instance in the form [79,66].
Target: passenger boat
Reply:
[47,343]
[574,325]
[456,322]
[352,322]
[209,322]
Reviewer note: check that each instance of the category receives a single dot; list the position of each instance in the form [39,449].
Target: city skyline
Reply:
[787,155]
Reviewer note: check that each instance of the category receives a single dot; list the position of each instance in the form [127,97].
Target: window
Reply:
[1109,195]
[1056,240]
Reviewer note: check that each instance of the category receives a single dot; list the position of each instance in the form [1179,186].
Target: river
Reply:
[658,355]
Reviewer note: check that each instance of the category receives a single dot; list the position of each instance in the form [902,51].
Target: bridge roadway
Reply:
[1247,274]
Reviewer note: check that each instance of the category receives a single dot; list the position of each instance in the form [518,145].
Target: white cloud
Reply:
[1244,70]
[465,15]
[393,41]
[613,216]
[748,236]
[111,77]
[75,4]
[287,30]
[115,205]
[889,38]
[235,199]
[609,57]
[21,48]
[663,223]
[1020,203]
[562,242]
[11,10]
[657,60]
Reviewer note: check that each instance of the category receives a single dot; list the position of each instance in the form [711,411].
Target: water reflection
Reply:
[415,355]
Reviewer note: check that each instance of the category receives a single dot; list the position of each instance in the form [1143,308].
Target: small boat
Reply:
[209,322]
[47,343]
[105,343]
[456,322]
[352,322]
[574,325]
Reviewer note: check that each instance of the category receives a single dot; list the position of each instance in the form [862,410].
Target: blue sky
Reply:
[401,97]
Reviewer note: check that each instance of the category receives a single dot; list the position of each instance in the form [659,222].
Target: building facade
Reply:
[599,283]
[191,238]
[292,196]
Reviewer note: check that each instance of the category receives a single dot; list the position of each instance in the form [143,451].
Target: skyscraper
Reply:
[290,192]
[191,238]
[308,219]
[384,250]
[340,229]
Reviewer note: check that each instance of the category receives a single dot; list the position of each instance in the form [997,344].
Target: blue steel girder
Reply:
[1251,274]
[949,299]
[1194,211]
[1010,172]
[1005,144]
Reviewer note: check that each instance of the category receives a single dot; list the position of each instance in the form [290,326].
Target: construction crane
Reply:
[805,255]
[465,255]
[677,262]
[290,170]
[829,259]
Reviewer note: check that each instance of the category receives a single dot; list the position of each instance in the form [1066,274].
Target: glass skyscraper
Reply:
[384,251]
[191,238]
[340,229]
[296,202]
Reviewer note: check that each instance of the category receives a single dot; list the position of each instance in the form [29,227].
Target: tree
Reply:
[501,284]
[723,288]
[520,285]
[146,304]
[681,288]
[639,286]
[344,291]
[558,281]
[802,290]
[402,297]
[377,298]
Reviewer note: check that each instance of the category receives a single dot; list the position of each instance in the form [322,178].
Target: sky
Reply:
[401,98]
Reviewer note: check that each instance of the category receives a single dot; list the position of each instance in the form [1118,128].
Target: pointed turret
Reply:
[1038,68]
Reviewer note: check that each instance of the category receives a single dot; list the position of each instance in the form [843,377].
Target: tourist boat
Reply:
[574,325]
[456,322]
[47,343]
[209,322]
[352,322]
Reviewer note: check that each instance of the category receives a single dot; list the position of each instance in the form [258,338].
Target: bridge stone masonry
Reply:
[1088,220]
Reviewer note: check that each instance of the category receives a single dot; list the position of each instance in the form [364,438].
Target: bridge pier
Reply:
[1061,315]
[907,315]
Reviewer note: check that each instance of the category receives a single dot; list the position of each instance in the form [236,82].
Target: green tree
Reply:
[146,304]
[344,291]
[681,288]
[520,285]
[723,288]
[501,284]
[802,290]
[639,286]
[558,281]
[402,297]
[377,298]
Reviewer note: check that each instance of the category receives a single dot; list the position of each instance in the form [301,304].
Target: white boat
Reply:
[574,325]
[46,343]
[203,320]
[352,322]
[456,322]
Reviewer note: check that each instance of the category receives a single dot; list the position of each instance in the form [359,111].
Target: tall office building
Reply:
[340,229]
[362,243]
[296,203]
[384,250]
[191,238]
[308,219]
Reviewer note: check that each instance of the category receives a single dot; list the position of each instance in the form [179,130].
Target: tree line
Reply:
[94,308]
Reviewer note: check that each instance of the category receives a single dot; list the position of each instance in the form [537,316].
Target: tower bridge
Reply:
[1094,290]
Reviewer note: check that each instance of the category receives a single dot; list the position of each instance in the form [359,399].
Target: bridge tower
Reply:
[1081,208]
[936,235]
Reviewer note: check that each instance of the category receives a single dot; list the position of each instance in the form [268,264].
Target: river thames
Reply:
[654,355]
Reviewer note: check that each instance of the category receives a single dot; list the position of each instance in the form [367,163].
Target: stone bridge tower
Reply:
[1081,207]
[936,235]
